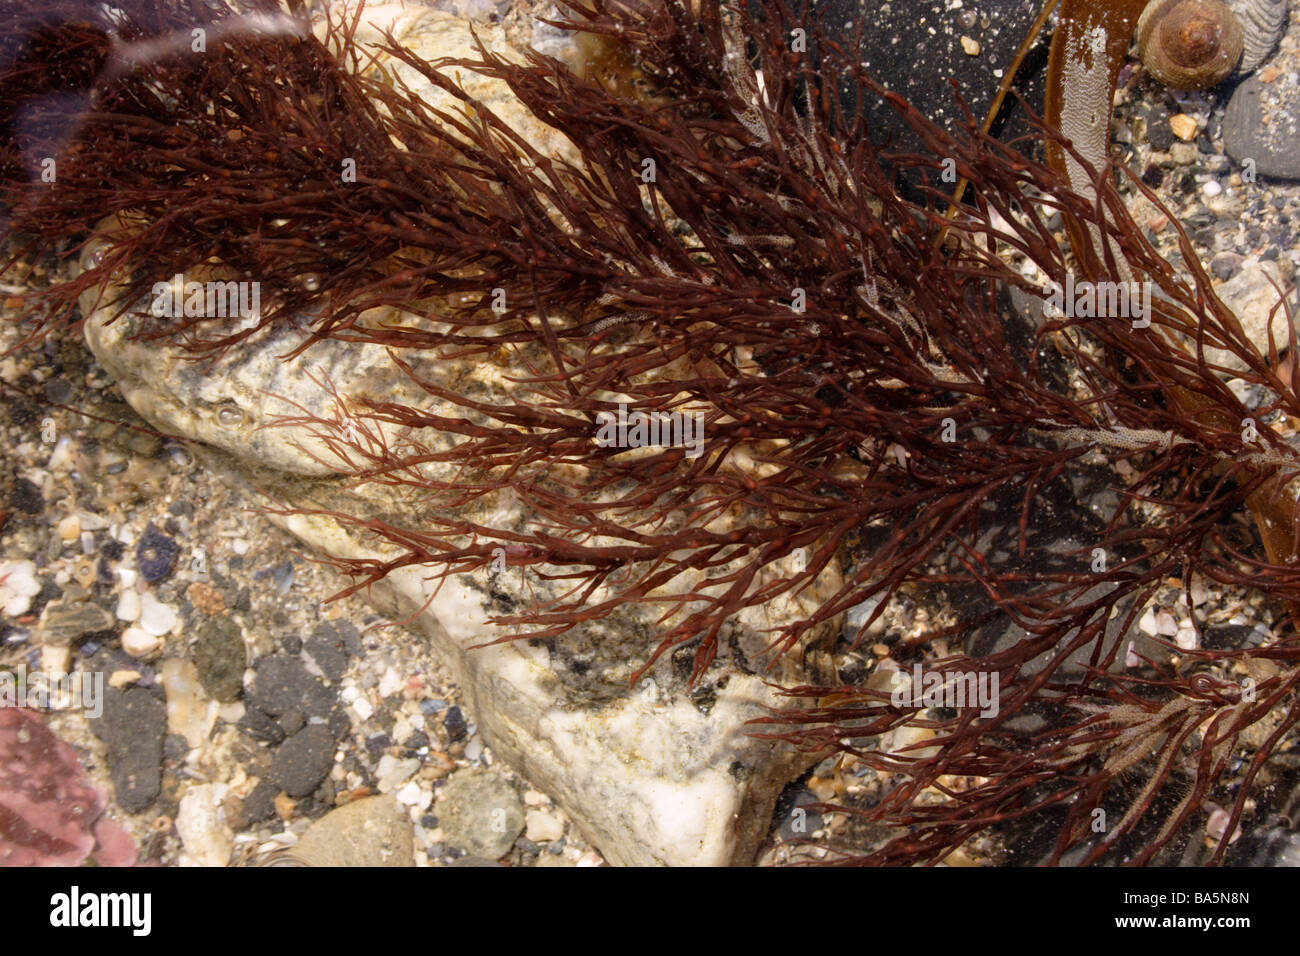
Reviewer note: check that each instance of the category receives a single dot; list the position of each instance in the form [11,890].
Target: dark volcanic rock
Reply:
[303,760]
[132,727]
[327,646]
[455,724]
[282,683]
[220,658]
[155,554]
[260,725]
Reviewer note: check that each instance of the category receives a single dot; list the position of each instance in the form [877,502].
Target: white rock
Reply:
[408,795]
[1147,623]
[56,658]
[91,522]
[60,459]
[401,728]
[232,712]
[123,678]
[361,707]
[1167,624]
[542,827]
[18,585]
[189,712]
[155,617]
[1199,594]
[138,642]
[390,683]
[206,839]
[391,776]
[128,606]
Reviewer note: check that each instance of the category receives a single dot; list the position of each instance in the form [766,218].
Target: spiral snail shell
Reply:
[1196,44]
[1189,44]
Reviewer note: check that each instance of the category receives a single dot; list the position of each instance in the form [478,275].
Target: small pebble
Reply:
[1184,127]
[408,795]
[1184,154]
[155,617]
[455,725]
[206,598]
[138,642]
[128,606]
[541,827]
[123,678]
[18,585]
[155,554]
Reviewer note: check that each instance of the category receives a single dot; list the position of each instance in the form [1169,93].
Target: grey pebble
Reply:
[1272,146]
[480,813]
[1225,265]
[1160,135]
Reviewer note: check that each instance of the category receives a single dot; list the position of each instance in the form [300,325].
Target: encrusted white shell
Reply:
[1262,24]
